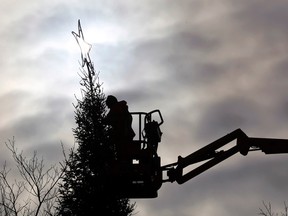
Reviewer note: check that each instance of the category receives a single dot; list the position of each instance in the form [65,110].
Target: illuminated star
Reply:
[84,46]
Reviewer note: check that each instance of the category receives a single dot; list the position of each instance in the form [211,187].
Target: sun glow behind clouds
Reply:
[104,34]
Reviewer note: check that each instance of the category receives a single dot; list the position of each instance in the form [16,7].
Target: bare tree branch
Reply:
[267,211]
[37,182]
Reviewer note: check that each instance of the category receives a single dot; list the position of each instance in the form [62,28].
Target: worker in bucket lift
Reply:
[120,120]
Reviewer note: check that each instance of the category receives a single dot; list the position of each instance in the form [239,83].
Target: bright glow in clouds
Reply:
[105,34]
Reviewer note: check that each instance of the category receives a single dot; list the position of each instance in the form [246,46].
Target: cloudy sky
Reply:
[209,66]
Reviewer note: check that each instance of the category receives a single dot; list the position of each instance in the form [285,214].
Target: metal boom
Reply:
[244,144]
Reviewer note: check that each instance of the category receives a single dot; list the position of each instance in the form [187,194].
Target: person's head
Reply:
[111,100]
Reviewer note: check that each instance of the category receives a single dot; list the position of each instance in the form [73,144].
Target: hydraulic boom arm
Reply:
[244,144]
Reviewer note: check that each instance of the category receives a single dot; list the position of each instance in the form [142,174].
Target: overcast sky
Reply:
[209,66]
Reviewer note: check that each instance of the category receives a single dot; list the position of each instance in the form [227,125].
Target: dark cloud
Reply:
[51,152]
[228,114]
[176,54]
[264,16]
[47,23]
[47,116]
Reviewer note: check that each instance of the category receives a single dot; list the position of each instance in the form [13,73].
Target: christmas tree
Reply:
[84,190]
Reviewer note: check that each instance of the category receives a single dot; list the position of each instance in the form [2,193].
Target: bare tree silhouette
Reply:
[35,192]
[267,210]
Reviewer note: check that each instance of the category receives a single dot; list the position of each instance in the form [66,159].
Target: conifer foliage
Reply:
[83,190]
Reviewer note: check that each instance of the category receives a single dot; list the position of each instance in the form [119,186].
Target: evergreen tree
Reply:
[84,190]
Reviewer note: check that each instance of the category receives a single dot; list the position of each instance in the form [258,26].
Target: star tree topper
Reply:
[84,46]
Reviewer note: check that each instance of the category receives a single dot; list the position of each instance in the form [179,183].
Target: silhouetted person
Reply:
[120,120]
